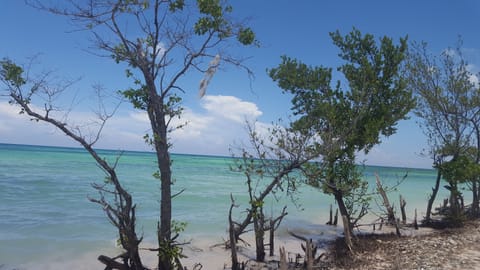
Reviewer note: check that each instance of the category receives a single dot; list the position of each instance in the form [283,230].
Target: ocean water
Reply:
[47,221]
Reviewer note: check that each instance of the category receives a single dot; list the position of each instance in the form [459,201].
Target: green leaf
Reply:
[246,36]
[12,73]
[176,5]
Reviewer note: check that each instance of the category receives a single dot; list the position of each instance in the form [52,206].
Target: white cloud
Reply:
[231,107]
[473,76]
[210,131]
[18,128]
[221,124]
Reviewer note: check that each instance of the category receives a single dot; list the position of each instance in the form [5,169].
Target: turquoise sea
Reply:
[47,221]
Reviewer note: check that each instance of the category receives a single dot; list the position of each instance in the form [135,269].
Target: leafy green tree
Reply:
[160,42]
[347,118]
[448,106]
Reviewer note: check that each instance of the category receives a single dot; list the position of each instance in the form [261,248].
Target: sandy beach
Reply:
[423,249]
[426,248]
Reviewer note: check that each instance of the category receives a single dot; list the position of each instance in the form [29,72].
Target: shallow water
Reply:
[47,221]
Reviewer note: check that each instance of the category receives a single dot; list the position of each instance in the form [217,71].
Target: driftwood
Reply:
[390,213]
[111,264]
[403,203]
[415,224]
[386,202]
[272,238]
[330,220]
[333,220]
[310,250]
[283,259]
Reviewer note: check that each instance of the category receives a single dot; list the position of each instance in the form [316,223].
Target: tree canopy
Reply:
[347,117]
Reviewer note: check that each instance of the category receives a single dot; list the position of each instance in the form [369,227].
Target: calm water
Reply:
[45,214]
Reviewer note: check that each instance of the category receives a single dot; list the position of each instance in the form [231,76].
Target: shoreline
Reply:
[426,248]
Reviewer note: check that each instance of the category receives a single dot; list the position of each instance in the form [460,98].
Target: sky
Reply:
[216,122]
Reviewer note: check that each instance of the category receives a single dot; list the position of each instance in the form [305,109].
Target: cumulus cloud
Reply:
[211,130]
[219,125]
[230,107]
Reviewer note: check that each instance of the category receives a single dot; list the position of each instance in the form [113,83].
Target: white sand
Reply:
[215,257]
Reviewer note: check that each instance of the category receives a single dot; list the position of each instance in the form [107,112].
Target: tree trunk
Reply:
[386,203]
[415,224]
[478,199]
[309,256]
[431,200]
[157,114]
[330,220]
[164,235]
[259,225]
[455,203]
[475,185]
[272,237]
[347,233]
[233,239]
[343,211]
[403,203]
[475,199]
[335,219]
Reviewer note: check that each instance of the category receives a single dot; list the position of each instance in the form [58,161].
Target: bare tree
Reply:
[160,41]
[268,164]
[114,199]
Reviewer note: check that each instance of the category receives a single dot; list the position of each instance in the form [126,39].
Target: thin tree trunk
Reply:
[330,221]
[347,233]
[415,224]
[343,211]
[386,203]
[476,186]
[403,203]
[335,220]
[431,200]
[454,203]
[259,225]
[272,237]
[475,199]
[157,116]
[309,254]
[233,240]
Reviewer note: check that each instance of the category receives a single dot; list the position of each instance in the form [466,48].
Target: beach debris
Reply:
[335,219]
[403,203]
[283,259]
[212,68]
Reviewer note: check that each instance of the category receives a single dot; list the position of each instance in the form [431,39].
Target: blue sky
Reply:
[298,29]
